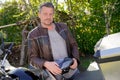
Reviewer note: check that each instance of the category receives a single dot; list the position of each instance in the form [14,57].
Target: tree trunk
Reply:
[23,46]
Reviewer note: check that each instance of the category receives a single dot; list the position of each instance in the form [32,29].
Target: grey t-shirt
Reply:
[59,49]
[58,45]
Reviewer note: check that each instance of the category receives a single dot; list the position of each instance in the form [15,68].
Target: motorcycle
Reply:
[8,72]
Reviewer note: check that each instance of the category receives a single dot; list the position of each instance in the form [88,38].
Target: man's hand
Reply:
[75,64]
[53,67]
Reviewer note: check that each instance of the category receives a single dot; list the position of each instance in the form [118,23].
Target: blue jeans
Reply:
[74,77]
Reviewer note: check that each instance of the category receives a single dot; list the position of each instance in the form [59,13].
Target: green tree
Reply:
[88,20]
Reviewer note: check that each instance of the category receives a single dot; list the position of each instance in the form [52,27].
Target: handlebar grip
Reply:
[8,51]
[11,45]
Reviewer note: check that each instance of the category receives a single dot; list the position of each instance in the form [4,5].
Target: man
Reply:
[52,41]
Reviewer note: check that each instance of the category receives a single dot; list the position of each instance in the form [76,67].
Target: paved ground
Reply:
[92,73]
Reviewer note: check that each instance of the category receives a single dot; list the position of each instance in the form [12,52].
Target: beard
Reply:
[47,22]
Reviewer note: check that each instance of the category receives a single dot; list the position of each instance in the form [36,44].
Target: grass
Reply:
[85,62]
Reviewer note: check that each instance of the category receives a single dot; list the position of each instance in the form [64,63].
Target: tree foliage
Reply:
[88,20]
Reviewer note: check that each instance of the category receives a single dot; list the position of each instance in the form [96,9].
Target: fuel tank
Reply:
[22,74]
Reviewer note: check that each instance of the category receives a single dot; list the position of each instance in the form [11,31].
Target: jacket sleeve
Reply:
[33,56]
[73,45]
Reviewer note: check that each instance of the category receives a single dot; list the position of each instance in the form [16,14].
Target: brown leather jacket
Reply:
[39,49]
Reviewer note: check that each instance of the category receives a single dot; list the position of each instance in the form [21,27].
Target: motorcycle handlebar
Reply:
[7,51]
[10,47]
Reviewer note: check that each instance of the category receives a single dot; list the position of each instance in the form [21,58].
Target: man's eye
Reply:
[45,14]
[51,14]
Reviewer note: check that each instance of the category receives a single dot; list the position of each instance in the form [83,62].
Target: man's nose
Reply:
[48,16]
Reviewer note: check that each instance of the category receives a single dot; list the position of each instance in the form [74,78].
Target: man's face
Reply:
[46,15]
